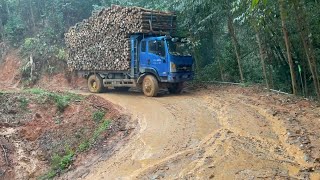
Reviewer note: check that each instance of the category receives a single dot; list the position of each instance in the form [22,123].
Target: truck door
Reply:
[143,54]
[156,56]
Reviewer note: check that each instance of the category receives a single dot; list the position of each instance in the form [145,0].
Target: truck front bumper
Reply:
[180,77]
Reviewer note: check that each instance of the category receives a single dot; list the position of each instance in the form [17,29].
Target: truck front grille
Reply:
[184,68]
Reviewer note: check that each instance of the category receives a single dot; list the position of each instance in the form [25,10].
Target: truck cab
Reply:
[156,62]
[165,58]
[168,58]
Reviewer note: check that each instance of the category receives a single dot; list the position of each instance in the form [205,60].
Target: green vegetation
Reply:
[62,55]
[24,102]
[103,127]
[84,146]
[62,100]
[59,163]
[98,116]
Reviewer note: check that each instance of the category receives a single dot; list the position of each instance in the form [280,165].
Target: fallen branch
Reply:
[277,91]
[5,154]
[221,82]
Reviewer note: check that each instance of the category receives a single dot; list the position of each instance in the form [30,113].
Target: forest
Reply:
[275,43]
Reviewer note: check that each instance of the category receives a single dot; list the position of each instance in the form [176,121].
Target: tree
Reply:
[306,42]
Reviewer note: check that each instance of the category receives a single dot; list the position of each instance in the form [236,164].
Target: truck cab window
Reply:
[143,46]
[157,47]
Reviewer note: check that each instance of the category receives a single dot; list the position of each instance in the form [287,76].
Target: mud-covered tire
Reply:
[95,83]
[175,88]
[150,86]
[122,89]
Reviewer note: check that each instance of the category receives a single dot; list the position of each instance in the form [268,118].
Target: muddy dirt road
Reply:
[216,133]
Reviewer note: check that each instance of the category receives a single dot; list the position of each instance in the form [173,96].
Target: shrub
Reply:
[62,55]
[103,127]
[62,100]
[98,116]
[84,146]
[60,163]
[30,44]
[23,103]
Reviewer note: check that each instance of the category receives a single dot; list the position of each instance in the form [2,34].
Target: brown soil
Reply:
[218,132]
[10,71]
[10,76]
[30,135]
[61,81]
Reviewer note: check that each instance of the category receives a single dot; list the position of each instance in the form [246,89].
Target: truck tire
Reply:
[150,86]
[95,83]
[175,88]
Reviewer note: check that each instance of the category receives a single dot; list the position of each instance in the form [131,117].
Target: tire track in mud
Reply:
[293,156]
[231,139]
[164,133]
[204,136]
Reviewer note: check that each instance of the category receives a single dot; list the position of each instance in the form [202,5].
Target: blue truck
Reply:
[157,62]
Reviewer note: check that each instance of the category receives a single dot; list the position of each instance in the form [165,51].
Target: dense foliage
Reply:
[274,42]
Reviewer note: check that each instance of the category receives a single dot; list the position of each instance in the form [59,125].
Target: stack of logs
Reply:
[102,42]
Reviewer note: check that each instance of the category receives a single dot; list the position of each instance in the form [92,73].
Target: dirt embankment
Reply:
[43,134]
[10,79]
[10,74]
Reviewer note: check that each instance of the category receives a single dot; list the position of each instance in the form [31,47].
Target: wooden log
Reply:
[102,42]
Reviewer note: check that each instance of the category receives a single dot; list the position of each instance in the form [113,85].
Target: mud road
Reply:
[216,133]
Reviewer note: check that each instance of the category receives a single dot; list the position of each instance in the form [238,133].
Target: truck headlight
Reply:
[173,67]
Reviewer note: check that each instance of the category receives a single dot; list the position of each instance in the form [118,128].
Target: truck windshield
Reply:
[157,47]
[179,48]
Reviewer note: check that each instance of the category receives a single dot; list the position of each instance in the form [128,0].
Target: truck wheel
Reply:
[95,83]
[175,88]
[150,86]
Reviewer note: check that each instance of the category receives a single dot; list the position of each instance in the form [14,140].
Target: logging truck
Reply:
[123,47]
[156,62]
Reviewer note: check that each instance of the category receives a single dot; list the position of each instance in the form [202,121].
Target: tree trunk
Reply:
[305,80]
[32,16]
[271,77]
[215,54]
[262,57]
[1,31]
[235,45]
[287,43]
[307,45]
[8,9]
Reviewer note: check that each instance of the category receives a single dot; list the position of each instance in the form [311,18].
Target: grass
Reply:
[24,102]
[60,163]
[62,100]
[84,146]
[103,127]
[87,144]
[2,92]
[98,116]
